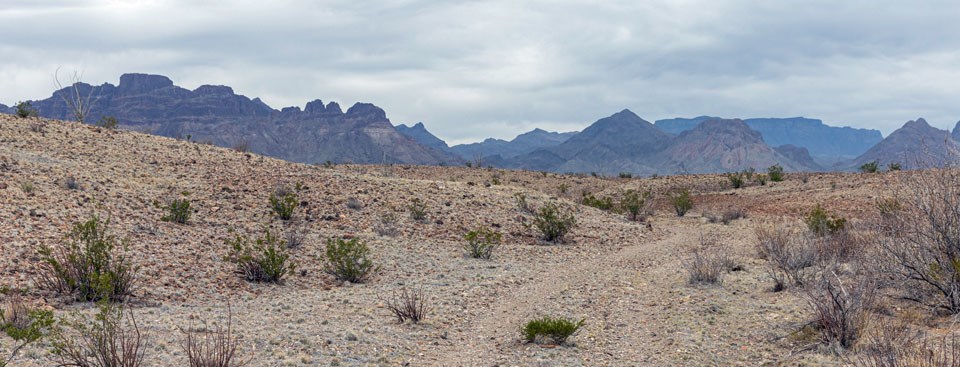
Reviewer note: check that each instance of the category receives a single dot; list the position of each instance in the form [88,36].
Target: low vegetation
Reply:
[178,211]
[553,224]
[112,339]
[418,210]
[264,259]
[23,324]
[348,260]
[638,205]
[24,110]
[550,330]
[775,173]
[707,263]
[736,179]
[284,201]
[822,223]
[603,203]
[682,202]
[481,243]
[870,167]
[410,305]
[217,347]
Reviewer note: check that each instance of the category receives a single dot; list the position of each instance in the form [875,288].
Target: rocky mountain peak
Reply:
[314,106]
[142,83]
[359,109]
[214,90]
[334,108]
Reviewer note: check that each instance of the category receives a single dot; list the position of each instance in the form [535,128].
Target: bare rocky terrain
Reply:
[625,278]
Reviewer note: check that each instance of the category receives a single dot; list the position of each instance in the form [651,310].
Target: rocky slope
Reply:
[419,133]
[825,143]
[217,115]
[915,145]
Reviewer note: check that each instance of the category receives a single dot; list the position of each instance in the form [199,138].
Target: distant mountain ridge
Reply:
[419,133]
[915,145]
[827,143]
[318,133]
[521,144]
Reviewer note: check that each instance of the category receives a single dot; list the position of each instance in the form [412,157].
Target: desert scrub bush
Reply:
[893,166]
[178,211]
[841,310]
[604,203]
[294,235]
[283,201]
[762,179]
[28,188]
[88,265]
[682,202]
[894,344]
[418,210]
[24,109]
[348,260]
[707,263]
[638,205]
[387,225]
[870,167]
[354,203]
[107,122]
[217,347]
[522,204]
[728,215]
[788,253]
[481,243]
[553,224]
[748,173]
[264,259]
[775,173]
[71,183]
[736,179]
[23,324]
[112,339]
[924,241]
[626,175]
[556,330]
[821,223]
[410,305]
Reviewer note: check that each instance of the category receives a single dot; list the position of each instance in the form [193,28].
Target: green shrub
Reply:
[23,324]
[418,210]
[87,266]
[821,223]
[605,203]
[736,179]
[762,179]
[893,166]
[870,167]
[775,172]
[28,188]
[347,260]
[179,211]
[636,204]
[24,110]
[682,202]
[748,173]
[481,243]
[284,201]
[108,122]
[555,329]
[262,260]
[553,224]
[626,175]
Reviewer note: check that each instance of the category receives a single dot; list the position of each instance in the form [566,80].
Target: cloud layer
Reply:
[471,70]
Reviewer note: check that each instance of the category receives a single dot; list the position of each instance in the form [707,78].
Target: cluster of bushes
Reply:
[874,167]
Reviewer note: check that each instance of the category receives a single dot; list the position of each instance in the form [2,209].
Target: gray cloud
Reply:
[471,69]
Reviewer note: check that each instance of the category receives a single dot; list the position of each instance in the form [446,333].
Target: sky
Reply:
[476,69]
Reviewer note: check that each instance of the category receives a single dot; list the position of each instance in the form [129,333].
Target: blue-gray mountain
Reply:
[827,144]
[420,134]
[521,144]
[216,114]
[915,145]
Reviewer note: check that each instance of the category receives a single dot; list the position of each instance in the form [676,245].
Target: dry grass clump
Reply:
[895,344]
[841,308]
[109,340]
[707,263]
[219,347]
[409,305]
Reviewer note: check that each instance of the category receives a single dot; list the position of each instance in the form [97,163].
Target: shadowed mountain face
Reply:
[915,145]
[420,134]
[827,143]
[956,131]
[216,114]
[522,144]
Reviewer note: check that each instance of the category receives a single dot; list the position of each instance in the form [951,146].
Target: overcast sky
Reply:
[473,69]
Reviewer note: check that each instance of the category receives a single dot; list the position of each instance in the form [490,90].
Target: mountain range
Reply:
[620,143]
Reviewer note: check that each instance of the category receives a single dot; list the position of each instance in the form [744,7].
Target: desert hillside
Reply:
[627,280]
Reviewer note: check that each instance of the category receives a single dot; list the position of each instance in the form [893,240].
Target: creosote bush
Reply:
[264,259]
[107,122]
[870,167]
[112,339]
[481,243]
[178,211]
[418,210]
[409,305]
[88,265]
[24,110]
[822,223]
[638,205]
[555,330]
[284,201]
[553,224]
[736,179]
[775,173]
[348,260]
[682,202]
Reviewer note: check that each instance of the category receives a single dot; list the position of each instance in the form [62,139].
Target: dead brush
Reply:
[707,263]
[219,347]
[894,344]
[112,339]
[841,309]
[409,305]
[789,254]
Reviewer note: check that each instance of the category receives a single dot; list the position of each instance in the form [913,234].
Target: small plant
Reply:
[522,203]
[495,179]
[775,172]
[262,260]
[788,254]
[636,204]
[562,188]
[870,167]
[109,340]
[626,175]
[25,110]
[605,203]
[893,166]
[23,324]
[71,183]
[481,243]
[707,264]
[28,188]
[748,173]
[556,330]
[736,179]
[241,146]
[821,223]
[328,164]
[418,210]
[107,122]
[87,266]
[841,310]
[387,225]
[219,347]
[409,305]
[347,260]
[553,224]
[284,201]
[178,211]
[294,235]
[354,203]
[762,179]
[682,202]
